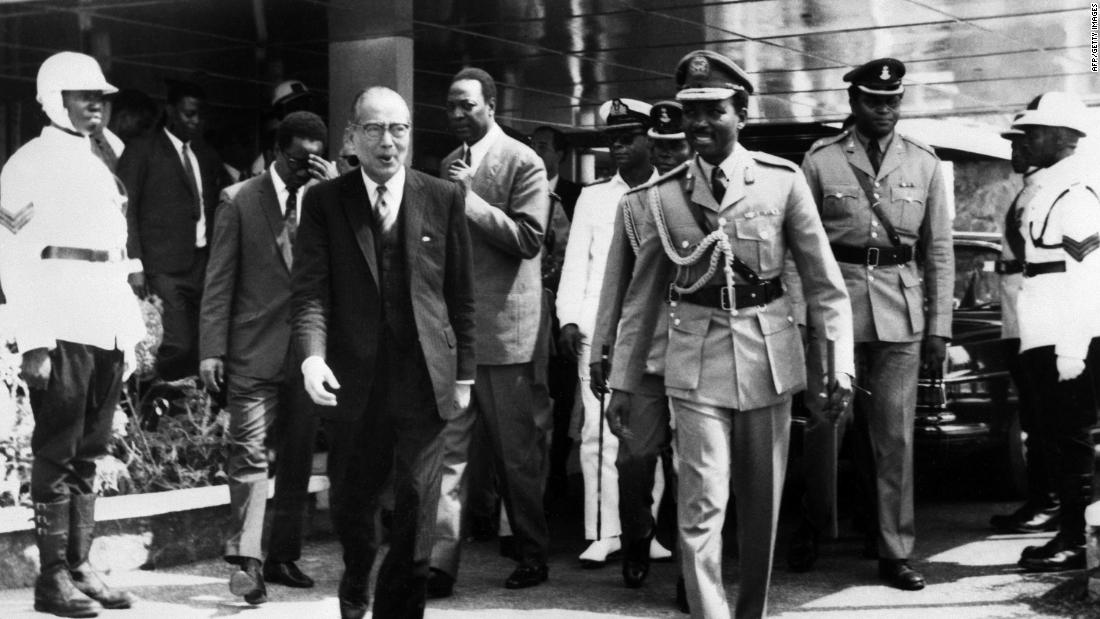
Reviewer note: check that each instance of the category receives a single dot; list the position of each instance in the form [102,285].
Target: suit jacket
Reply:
[889,303]
[508,207]
[754,358]
[245,316]
[336,304]
[568,191]
[160,215]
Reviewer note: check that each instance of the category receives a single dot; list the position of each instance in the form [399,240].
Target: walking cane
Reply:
[604,366]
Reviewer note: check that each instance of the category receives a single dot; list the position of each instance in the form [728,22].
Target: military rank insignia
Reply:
[1079,249]
[14,222]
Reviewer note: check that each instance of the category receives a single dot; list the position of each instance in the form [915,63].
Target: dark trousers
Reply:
[1040,479]
[178,355]
[649,441]
[72,419]
[399,435]
[1068,414]
[295,436]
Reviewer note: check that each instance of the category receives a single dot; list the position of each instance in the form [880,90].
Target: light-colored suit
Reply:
[730,375]
[893,308]
[507,207]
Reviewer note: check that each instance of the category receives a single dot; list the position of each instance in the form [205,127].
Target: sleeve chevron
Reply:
[1079,249]
[14,222]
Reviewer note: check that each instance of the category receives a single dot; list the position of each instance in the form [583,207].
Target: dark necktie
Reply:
[189,172]
[103,150]
[381,209]
[466,157]
[718,184]
[290,217]
[874,153]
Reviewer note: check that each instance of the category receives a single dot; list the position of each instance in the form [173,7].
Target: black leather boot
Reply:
[54,591]
[1067,550]
[1039,514]
[86,579]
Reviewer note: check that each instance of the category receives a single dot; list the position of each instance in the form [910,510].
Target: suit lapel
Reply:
[892,158]
[357,207]
[177,157]
[700,193]
[411,210]
[857,157]
[269,205]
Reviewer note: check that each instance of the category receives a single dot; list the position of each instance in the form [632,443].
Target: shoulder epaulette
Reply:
[919,144]
[832,139]
[598,181]
[772,160]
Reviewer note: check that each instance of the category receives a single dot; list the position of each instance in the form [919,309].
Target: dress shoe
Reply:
[598,551]
[682,596]
[440,584]
[659,553]
[1027,519]
[353,595]
[527,576]
[636,560]
[899,575]
[248,582]
[286,573]
[802,553]
[508,548]
[1054,556]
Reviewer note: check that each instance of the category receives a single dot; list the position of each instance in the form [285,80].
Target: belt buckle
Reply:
[724,298]
[872,256]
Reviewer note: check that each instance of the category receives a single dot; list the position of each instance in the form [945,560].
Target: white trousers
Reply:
[601,479]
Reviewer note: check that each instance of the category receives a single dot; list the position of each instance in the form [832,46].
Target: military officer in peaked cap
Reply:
[711,248]
[884,204]
[582,274]
[669,144]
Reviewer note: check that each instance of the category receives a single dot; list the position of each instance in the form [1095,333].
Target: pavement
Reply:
[971,573]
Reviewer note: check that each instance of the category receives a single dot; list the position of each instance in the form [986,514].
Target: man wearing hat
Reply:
[64,265]
[1041,511]
[711,248]
[1056,310]
[582,276]
[884,205]
[644,434]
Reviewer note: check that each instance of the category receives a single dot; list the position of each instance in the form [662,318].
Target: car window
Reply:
[977,284]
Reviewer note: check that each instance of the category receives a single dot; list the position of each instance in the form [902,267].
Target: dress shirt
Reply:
[883,142]
[738,159]
[281,193]
[480,148]
[200,225]
[395,191]
[553,182]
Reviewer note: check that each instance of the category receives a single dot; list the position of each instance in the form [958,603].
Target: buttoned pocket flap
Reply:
[774,323]
[907,195]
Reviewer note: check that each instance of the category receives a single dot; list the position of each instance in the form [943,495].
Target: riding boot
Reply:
[86,579]
[54,591]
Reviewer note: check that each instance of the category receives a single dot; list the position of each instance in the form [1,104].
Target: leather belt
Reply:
[1008,267]
[55,252]
[746,295]
[1031,269]
[872,256]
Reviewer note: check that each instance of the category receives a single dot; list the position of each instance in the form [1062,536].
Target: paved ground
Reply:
[971,573]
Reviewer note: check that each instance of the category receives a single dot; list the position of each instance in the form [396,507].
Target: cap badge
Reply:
[617,108]
[885,75]
[665,118]
[699,67]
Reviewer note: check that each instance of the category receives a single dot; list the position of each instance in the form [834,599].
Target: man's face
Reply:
[543,144]
[469,114]
[667,154]
[292,163]
[381,156]
[1019,159]
[876,115]
[1041,146]
[85,108]
[711,128]
[629,148]
[185,118]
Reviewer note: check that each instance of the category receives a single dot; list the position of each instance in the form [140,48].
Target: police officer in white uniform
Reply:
[64,267]
[582,274]
[1058,309]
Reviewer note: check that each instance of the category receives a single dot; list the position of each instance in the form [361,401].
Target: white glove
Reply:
[1069,368]
[316,375]
[462,396]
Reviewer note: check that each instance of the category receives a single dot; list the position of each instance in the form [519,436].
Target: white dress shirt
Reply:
[282,193]
[200,225]
[395,191]
[480,148]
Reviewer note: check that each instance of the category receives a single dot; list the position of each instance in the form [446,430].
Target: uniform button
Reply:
[874,224]
[676,322]
[790,318]
[764,234]
[874,235]
[684,244]
[878,184]
[426,238]
[672,304]
[870,278]
[721,221]
[875,195]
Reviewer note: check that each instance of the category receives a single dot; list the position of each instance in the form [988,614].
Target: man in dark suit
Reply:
[172,182]
[383,313]
[508,207]
[244,341]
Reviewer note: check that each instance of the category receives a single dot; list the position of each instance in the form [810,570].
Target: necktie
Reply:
[874,153]
[104,152]
[290,217]
[718,184]
[189,170]
[381,210]
[466,156]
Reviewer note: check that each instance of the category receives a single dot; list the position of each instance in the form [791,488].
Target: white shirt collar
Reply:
[480,148]
[281,192]
[176,142]
[395,189]
[553,182]
[1066,171]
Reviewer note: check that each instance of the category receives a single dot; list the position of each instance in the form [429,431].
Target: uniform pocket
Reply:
[913,292]
[786,358]
[761,236]
[839,201]
[906,208]
[683,361]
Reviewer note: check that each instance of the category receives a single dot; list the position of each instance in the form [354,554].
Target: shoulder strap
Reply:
[738,265]
[865,182]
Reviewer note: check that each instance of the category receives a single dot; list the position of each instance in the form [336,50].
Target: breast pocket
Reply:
[906,208]
[760,241]
[839,201]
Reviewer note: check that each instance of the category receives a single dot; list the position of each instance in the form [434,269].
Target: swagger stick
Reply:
[605,366]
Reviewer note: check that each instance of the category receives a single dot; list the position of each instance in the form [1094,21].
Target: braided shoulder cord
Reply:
[717,240]
[630,227]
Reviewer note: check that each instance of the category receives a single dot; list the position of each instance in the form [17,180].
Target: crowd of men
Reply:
[435,329]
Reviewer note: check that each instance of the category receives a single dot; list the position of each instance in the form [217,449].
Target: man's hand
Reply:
[1069,368]
[838,395]
[212,371]
[460,173]
[36,368]
[317,376]
[322,169]
[462,396]
[137,284]
[933,352]
[598,382]
[617,414]
[571,341]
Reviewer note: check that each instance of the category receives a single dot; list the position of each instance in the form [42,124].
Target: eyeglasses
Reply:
[622,137]
[374,131]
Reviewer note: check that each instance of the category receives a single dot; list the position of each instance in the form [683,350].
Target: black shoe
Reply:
[1054,556]
[286,573]
[636,561]
[899,575]
[1028,519]
[527,576]
[440,584]
[802,553]
[248,582]
[682,596]
[353,595]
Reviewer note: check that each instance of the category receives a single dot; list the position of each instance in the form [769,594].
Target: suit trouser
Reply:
[72,419]
[1040,473]
[648,442]
[295,437]
[1069,412]
[399,434]
[517,442]
[713,446]
[884,442]
[178,355]
[601,477]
